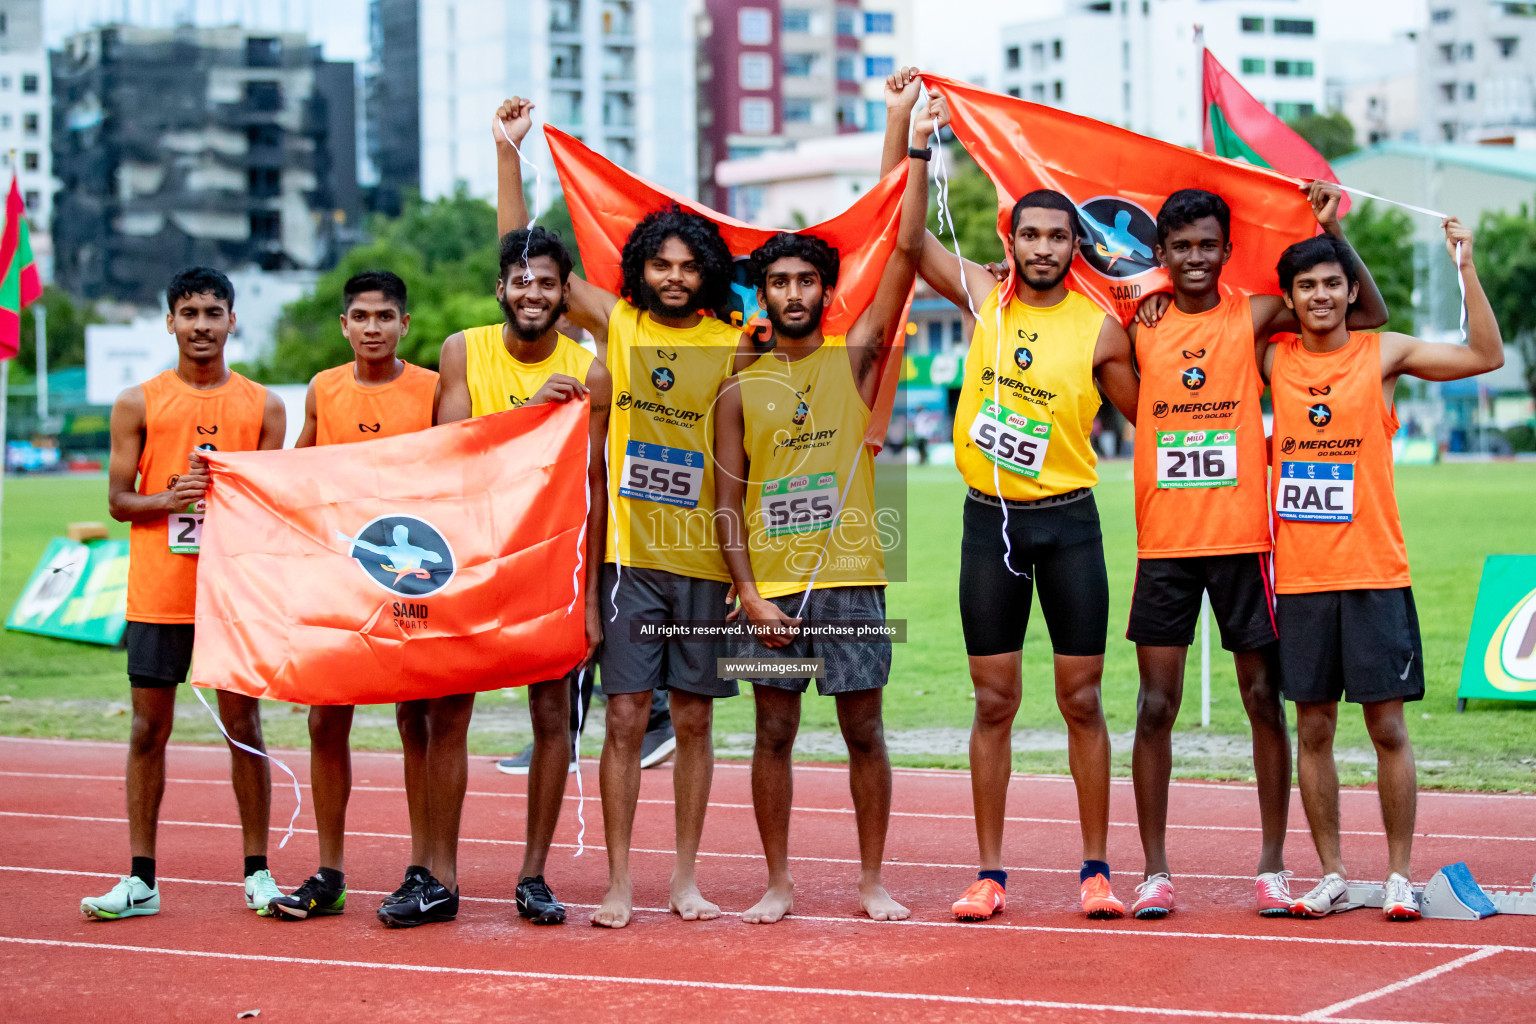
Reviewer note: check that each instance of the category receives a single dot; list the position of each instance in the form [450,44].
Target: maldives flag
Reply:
[1118,181]
[19,285]
[439,562]
[1239,127]
[606,202]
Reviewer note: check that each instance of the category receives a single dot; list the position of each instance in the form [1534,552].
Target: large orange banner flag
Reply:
[440,562]
[1118,181]
[606,202]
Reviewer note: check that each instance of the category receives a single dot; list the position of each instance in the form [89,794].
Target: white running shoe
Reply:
[261,890]
[1154,898]
[1401,903]
[1273,891]
[1327,897]
[128,898]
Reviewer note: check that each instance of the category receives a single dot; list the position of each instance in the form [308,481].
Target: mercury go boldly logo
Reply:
[405,555]
[1023,357]
[1193,378]
[1320,415]
[1287,446]
[987,375]
[625,400]
[1118,236]
[1160,409]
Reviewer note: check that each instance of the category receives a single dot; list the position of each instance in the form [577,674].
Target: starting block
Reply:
[1452,894]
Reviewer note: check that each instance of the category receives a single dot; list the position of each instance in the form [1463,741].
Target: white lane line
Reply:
[1001,926]
[706,986]
[847,811]
[957,774]
[1327,1012]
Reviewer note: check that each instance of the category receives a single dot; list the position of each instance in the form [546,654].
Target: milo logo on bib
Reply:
[1196,458]
[800,504]
[1013,440]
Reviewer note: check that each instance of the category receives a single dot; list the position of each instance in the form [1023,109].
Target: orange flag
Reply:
[607,201]
[1118,180]
[440,562]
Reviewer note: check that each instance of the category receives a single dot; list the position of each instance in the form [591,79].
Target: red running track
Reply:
[206,958]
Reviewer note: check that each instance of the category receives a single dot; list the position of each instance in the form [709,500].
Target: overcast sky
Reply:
[949,33]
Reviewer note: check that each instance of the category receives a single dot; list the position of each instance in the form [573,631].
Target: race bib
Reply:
[800,504]
[1316,492]
[654,472]
[1010,439]
[184,529]
[1196,458]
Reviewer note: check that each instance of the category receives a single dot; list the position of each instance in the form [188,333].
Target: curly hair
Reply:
[702,238]
[785,245]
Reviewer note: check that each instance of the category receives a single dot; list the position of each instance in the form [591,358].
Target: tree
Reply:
[972,203]
[1384,240]
[1506,264]
[1330,134]
[66,331]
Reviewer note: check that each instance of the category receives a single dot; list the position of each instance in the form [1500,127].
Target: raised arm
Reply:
[947,274]
[1484,350]
[1369,311]
[453,402]
[878,325]
[589,306]
[1115,368]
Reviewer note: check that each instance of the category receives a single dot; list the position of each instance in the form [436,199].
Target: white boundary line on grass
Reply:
[994,926]
[1022,820]
[679,983]
[950,773]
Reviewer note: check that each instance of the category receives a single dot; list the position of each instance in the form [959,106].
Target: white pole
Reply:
[40,318]
[5,385]
[1205,662]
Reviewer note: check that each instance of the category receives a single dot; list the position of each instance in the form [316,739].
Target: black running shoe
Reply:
[537,903]
[312,899]
[431,902]
[407,890]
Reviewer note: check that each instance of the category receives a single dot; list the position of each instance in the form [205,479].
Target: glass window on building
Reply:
[1037,92]
[1055,49]
[1508,46]
[1448,53]
[755,71]
[1290,111]
[1467,51]
[621,151]
[1295,27]
[935,336]
[954,332]
[879,67]
[1469,91]
[798,110]
[32,198]
[848,112]
[754,26]
[29,84]
[1293,68]
[1441,15]
[795,19]
[1036,56]
[1253,24]
[847,23]
[746,201]
[29,123]
[1011,58]
[847,69]
[757,117]
[1058,91]
[1013,90]
[263,52]
[5,81]
[1253,65]
[874,113]
[881,23]
[29,161]
[799,65]
[5,121]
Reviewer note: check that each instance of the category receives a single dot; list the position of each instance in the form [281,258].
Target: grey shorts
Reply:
[851,666]
[654,595]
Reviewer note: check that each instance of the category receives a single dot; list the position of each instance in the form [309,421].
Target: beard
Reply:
[538,330]
[794,332]
[1040,284]
[653,303]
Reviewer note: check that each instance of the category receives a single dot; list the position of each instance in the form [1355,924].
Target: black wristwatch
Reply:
[919,154]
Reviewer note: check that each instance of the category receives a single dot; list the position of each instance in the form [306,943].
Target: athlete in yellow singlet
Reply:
[668,358]
[795,491]
[1038,359]
[525,360]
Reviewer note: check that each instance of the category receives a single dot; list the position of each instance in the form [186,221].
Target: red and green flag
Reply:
[1239,127]
[20,286]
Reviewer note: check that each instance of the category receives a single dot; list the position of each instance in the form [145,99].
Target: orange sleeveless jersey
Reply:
[162,586]
[1336,521]
[347,411]
[1200,458]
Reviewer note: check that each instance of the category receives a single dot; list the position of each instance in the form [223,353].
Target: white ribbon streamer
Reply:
[1461,281]
[297,800]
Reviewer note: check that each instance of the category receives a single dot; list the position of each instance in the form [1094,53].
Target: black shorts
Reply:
[1054,545]
[1166,600]
[1362,645]
[159,653]
[655,595]
[851,665]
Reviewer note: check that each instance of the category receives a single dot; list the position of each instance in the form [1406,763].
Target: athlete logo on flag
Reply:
[432,563]
[1118,180]
[606,202]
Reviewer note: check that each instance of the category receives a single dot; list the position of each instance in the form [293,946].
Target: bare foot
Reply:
[687,904]
[877,903]
[778,901]
[615,911]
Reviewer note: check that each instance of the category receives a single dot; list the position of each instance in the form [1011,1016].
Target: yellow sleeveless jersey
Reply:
[1028,410]
[497,382]
[661,432]
[804,427]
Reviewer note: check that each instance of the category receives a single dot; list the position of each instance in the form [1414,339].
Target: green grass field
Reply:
[1454,515]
